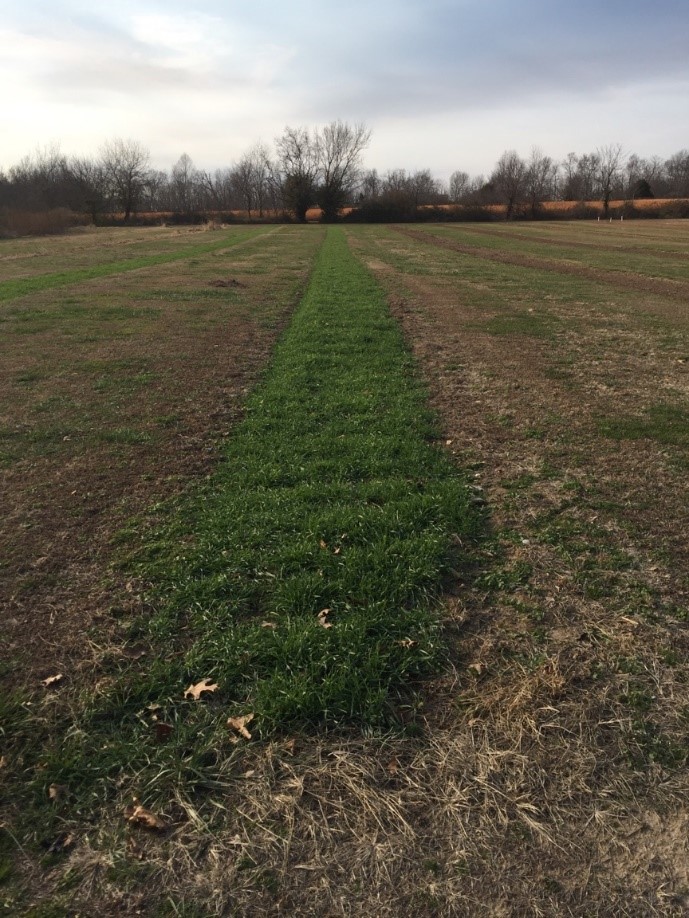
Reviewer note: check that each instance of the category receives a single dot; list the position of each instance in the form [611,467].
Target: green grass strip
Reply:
[23,286]
[331,496]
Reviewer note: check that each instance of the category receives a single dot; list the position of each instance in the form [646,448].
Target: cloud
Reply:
[225,73]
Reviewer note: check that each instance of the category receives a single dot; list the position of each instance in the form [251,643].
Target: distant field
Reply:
[458,640]
[559,209]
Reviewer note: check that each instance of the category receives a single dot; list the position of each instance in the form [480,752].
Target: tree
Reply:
[509,177]
[539,179]
[339,147]
[677,169]
[460,184]
[125,164]
[183,182]
[370,185]
[297,152]
[608,172]
[90,180]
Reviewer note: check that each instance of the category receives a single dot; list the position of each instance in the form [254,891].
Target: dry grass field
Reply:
[543,770]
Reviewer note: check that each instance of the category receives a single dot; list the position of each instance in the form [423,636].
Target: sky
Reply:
[441,84]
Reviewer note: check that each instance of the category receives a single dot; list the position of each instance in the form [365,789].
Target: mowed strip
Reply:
[666,278]
[299,584]
[23,286]
[303,577]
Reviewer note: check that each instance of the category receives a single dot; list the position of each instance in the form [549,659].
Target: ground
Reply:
[547,775]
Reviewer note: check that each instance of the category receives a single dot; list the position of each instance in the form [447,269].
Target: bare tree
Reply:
[183,184]
[677,169]
[609,172]
[460,184]
[125,164]
[339,148]
[539,179]
[89,177]
[370,185]
[509,177]
[297,152]
[425,188]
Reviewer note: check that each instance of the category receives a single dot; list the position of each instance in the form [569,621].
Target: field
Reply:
[345,571]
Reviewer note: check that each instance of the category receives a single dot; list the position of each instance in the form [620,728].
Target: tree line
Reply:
[323,167]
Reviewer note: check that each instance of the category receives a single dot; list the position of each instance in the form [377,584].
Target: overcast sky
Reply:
[443,84]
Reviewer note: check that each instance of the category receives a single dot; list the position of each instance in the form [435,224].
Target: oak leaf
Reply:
[51,680]
[138,815]
[239,725]
[323,618]
[195,691]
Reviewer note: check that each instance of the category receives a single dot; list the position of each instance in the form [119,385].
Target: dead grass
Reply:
[546,773]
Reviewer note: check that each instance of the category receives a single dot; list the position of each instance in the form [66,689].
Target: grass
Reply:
[664,423]
[302,578]
[557,736]
[23,286]
[330,496]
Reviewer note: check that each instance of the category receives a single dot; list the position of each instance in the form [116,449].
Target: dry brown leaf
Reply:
[392,767]
[195,691]
[57,792]
[323,544]
[323,618]
[477,667]
[51,680]
[337,551]
[407,642]
[239,724]
[270,625]
[138,815]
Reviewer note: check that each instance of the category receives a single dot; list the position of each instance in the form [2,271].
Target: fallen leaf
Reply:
[270,625]
[138,815]
[195,691]
[323,618]
[477,667]
[239,724]
[337,551]
[323,544]
[57,792]
[392,767]
[51,680]
[162,731]
[407,642]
